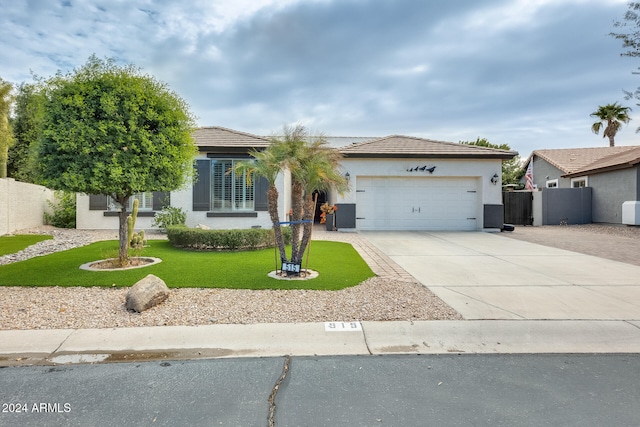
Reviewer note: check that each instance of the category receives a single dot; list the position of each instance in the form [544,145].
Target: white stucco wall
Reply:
[22,205]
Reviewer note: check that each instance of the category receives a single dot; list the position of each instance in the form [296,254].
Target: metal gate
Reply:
[518,207]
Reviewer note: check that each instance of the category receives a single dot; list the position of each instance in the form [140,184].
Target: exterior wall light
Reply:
[495,178]
[347,176]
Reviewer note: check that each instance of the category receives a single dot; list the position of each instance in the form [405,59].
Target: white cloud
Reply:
[522,72]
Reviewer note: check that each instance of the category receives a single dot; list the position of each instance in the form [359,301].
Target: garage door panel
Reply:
[417,203]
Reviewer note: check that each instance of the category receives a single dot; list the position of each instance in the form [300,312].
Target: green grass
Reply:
[13,244]
[339,266]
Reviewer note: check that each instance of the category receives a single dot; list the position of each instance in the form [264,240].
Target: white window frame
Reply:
[584,179]
[552,183]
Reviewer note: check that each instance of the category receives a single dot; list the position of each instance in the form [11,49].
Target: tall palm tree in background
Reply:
[6,135]
[614,115]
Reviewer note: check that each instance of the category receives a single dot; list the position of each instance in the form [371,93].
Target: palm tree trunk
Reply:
[272,204]
[309,213]
[297,208]
[611,141]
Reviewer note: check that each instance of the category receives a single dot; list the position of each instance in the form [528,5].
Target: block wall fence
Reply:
[22,205]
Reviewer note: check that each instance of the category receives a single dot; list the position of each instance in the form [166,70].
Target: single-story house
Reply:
[613,173]
[396,183]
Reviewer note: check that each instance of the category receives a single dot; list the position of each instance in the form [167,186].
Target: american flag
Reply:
[529,177]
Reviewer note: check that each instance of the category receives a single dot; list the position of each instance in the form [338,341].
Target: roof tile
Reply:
[620,160]
[403,146]
[570,160]
[216,136]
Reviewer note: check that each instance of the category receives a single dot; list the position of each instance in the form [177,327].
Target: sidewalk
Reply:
[50,347]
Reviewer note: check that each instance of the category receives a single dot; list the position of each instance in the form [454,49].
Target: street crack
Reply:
[274,392]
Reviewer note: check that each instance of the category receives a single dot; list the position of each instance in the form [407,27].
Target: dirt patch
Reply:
[113,264]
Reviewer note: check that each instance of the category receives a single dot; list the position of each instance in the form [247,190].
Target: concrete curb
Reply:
[316,339]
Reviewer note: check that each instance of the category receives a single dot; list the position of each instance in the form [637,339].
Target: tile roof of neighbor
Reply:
[620,160]
[216,136]
[409,146]
[570,160]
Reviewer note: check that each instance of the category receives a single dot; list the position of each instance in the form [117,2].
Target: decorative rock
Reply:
[146,293]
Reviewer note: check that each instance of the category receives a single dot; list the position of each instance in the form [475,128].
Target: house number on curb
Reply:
[342,326]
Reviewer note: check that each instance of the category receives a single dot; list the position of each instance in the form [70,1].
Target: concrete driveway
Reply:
[489,276]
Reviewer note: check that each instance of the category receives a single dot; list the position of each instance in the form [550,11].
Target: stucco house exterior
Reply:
[612,173]
[396,183]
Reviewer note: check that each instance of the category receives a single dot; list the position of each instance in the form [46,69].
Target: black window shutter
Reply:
[97,202]
[161,199]
[260,186]
[202,186]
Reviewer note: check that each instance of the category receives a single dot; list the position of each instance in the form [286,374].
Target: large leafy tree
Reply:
[26,123]
[629,33]
[112,130]
[313,165]
[613,115]
[6,135]
[511,169]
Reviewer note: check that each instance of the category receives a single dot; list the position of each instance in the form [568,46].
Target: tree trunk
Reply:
[297,208]
[611,141]
[272,206]
[309,213]
[123,235]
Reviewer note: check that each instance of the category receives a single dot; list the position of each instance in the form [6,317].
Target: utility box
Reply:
[631,213]
[345,215]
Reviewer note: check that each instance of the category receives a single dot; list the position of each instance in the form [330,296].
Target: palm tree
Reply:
[614,115]
[320,167]
[313,165]
[266,165]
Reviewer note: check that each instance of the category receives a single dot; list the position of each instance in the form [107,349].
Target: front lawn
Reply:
[339,266]
[13,244]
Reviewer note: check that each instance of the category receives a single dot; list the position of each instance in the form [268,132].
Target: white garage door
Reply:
[424,203]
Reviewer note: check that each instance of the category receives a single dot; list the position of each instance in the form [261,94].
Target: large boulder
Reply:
[146,293]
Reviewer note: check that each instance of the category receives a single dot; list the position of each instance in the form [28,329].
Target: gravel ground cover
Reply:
[615,242]
[377,299]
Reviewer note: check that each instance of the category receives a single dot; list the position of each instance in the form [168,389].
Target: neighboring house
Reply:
[396,183]
[613,173]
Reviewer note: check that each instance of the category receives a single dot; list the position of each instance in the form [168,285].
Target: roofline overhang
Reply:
[622,166]
[426,156]
[227,150]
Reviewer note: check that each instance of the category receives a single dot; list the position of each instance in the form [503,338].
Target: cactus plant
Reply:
[136,240]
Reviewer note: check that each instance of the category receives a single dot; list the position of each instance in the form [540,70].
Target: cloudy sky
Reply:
[523,72]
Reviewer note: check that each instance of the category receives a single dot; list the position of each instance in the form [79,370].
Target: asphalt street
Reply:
[392,390]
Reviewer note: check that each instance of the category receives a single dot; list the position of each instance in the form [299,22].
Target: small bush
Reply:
[229,240]
[64,210]
[169,215]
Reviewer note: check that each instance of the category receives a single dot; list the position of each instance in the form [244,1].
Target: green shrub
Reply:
[64,210]
[229,240]
[169,215]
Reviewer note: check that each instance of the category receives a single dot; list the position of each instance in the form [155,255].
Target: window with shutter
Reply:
[230,191]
